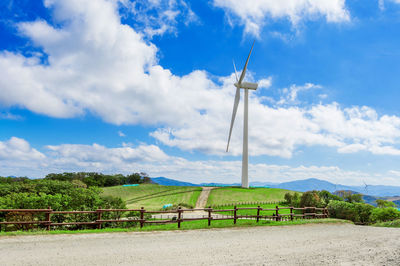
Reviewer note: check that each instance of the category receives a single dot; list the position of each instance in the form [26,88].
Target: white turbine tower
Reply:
[246,86]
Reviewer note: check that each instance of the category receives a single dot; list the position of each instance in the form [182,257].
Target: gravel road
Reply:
[329,244]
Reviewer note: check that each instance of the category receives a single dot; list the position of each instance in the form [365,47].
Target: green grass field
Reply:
[153,197]
[229,195]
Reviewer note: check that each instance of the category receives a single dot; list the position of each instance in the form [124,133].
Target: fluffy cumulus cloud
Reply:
[17,157]
[16,148]
[253,14]
[279,131]
[91,62]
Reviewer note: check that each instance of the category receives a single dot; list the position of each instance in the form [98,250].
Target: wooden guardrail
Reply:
[306,212]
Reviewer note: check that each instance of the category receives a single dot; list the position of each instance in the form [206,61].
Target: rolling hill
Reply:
[299,185]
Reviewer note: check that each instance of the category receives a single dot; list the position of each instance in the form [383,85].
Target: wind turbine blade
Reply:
[245,66]
[234,66]
[235,107]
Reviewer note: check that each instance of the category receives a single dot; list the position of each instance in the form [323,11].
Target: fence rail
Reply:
[307,213]
[247,203]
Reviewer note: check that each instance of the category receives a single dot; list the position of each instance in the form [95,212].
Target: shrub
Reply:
[356,212]
[288,198]
[384,214]
[310,199]
[326,197]
[350,196]
[385,203]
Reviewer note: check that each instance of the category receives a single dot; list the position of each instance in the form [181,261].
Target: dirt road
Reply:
[283,245]
[202,201]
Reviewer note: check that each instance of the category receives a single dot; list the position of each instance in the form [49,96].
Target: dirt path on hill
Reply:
[202,200]
[318,244]
[200,204]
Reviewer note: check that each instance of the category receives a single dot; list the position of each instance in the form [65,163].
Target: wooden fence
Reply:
[99,221]
[248,203]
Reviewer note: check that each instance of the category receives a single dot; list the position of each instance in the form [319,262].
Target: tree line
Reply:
[345,205]
[65,191]
[91,179]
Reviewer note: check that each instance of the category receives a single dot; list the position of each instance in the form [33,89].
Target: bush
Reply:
[59,195]
[313,198]
[384,214]
[292,200]
[356,212]
[310,199]
[350,196]
[288,198]
[326,197]
[385,203]
[394,223]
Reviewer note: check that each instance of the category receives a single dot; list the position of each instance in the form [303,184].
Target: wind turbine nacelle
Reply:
[247,85]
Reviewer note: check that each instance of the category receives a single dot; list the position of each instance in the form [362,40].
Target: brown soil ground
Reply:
[318,244]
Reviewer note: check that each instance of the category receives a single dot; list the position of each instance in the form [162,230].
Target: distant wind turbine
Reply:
[246,86]
[365,188]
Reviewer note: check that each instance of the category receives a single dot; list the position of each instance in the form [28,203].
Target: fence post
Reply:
[291,213]
[304,211]
[179,216]
[315,213]
[48,219]
[141,217]
[98,218]
[234,214]
[209,215]
[277,213]
[258,213]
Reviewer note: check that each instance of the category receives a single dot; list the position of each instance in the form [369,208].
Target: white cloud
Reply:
[121,134]
[96,64]
[158,17]
[254,14]
[290,94]
[265,83]
[10,116]
[26,161]
[381,4]
[88,154]
[18,149]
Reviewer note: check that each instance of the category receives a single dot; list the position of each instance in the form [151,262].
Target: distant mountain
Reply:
[299,185]
[262,184]
[316,184]
[171,182]
[310,184]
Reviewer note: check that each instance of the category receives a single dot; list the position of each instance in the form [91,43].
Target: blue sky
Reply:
[127,86]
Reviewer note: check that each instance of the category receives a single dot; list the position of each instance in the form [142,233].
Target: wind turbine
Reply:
[366,187]
[246,86]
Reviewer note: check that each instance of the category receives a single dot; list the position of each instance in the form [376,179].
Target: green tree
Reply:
[310,199]
[385,204]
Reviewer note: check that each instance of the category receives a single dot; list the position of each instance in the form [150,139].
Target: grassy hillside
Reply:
[153,197]
[229,195]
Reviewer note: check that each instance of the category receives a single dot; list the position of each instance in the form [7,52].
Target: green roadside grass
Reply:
[189,225]
[395,223]
[253,212]
[234,195]
[154,197]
